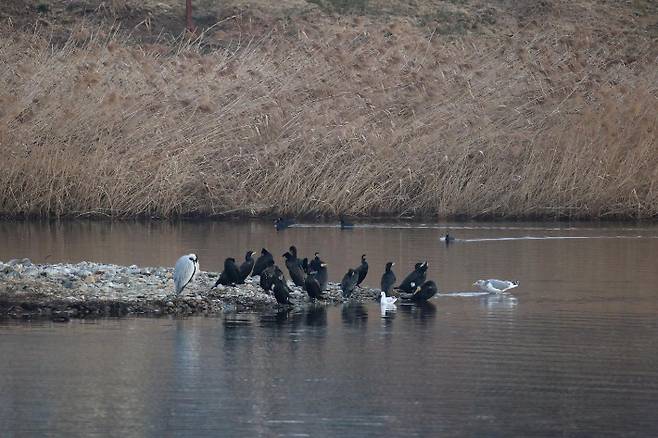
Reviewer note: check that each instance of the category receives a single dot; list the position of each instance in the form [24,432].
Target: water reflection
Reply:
[422,312]
[354,314]
[495,302]
[316,315]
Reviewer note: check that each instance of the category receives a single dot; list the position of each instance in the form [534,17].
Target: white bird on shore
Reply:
[387,301]
[495,286]
[186,269]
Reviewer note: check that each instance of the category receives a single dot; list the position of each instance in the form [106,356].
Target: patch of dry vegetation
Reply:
[345,115]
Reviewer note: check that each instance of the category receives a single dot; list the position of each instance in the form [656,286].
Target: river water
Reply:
[572,351]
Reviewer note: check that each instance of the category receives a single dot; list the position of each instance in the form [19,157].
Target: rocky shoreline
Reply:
[63,291]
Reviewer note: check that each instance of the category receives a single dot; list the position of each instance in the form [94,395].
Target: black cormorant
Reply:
[421,293]
[388,278]
[262,261]
[362,270]
[416,277]
[349,282]
[246,266]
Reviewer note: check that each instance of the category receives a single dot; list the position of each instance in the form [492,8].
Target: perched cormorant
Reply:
[246,266]
[416,277]
[315,263]
[388,278]
[362,270]
[186,269]
[281,223]
[262,261]
[322,276]
[230,275]
[295,269]
[421,293]
[281,289]
[349,282]
[268,275]
[312,287]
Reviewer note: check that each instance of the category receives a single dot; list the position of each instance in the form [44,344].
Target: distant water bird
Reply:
[246,266]
[294,269]
[386,301]
[281,223]
[417,276]
[496,286]
[362,270]
[281,289]
[447,239]
[186,269]
[230,275]
[262,261]
[312,287]
[348,283]
[344,224]
[388,278]
[267,275]
[421,293]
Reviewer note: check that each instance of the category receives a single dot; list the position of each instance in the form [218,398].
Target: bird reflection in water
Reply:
[354,314]
[504,301]
[421,311]
[316,315]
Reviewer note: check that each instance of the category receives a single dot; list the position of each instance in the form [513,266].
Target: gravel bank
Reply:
[62,291]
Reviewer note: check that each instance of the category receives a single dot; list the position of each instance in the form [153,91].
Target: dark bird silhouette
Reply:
[230,275]
[348,283]
[362,270]
[262,261]
[281,223]
[267,275]
[417,277]
[294,269]
[344,224]
[246,266]
[312,287]
[421,293]
[322,275]
[303,263]
[447,239]
[281,289]
[315,263]
[388,278]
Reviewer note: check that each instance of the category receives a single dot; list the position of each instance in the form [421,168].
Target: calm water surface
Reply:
[572,352]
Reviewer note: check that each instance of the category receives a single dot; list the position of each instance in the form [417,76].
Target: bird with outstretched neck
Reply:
[362,270]
[388,278]
[246,266]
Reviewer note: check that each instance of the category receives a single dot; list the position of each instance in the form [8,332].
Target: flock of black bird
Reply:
[313,277]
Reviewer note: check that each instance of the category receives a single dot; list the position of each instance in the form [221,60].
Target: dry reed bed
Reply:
[552,122]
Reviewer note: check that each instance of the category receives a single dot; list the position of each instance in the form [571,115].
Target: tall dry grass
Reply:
[548,123]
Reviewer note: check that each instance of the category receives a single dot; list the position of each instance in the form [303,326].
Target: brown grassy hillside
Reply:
[451,108]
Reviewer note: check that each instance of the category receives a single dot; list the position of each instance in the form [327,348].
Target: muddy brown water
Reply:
[572,351]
